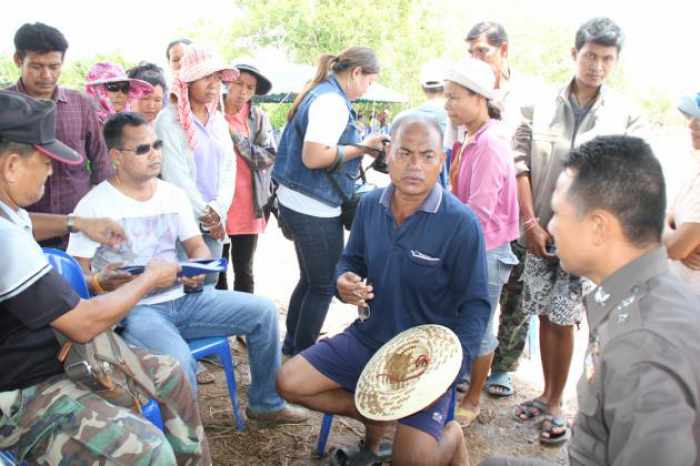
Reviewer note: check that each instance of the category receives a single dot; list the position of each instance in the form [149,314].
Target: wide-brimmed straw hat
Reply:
[199,62]
[475,75]
[107,72]
[408,373]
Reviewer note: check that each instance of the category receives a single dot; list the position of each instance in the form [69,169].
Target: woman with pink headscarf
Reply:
[112,89]
[198,152]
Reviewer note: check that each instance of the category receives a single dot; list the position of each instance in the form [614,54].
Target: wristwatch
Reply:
[70,222]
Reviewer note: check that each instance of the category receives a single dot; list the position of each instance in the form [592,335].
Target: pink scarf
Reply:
[184,110]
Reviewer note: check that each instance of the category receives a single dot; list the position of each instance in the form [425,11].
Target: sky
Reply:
[662,48]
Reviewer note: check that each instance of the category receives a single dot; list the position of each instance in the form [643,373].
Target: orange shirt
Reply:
[241,215]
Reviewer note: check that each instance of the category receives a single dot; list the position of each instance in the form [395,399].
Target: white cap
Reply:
[432,75]
[475,75]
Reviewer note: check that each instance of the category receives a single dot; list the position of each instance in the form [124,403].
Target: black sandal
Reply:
[360,455]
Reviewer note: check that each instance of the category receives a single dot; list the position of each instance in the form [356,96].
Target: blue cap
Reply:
[690,105]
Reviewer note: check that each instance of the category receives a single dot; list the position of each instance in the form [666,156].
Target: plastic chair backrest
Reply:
[69,269]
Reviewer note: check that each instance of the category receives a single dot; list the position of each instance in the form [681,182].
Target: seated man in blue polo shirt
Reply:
[421,252]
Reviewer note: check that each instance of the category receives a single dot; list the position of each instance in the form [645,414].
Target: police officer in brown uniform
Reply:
[639,396]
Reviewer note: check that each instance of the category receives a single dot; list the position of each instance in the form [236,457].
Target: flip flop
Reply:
[499,384]
[548,424]
[360,455]
[530,409]
[465,416]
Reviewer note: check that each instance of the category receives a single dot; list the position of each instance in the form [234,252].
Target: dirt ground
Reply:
[494,433]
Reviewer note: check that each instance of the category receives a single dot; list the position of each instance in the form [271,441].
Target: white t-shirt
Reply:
[686,209]
[328,117]
[152,229]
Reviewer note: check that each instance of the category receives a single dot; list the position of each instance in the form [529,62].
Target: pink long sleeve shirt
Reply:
[486,183]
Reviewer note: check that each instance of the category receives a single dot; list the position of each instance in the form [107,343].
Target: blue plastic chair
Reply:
[8,459]
[219,347]
[328,421]
[71,272]
[202,347]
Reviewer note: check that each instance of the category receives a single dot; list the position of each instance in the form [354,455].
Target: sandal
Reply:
[547,435]
[360,455]
[530,409]
[465,416]
[499,384]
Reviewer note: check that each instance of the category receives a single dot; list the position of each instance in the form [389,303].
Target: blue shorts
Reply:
[341,358]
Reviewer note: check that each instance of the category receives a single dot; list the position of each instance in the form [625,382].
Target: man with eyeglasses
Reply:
[416,255]
[39,53]
[156,215]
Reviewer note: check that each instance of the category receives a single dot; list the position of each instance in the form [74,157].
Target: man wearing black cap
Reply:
[45,414]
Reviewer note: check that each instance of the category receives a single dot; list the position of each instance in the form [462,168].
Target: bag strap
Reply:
[336,185]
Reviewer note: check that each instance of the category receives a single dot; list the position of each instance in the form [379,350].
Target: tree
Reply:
[404,34]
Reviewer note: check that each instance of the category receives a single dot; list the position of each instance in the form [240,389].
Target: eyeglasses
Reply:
[143,149]
[121,86]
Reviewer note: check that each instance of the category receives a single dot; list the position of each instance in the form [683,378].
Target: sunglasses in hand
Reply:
[143,149]
[121,86]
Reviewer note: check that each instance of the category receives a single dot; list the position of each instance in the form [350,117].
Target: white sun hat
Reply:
[475,75]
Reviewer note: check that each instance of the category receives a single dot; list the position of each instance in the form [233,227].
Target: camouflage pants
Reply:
[513,324]
[59,423]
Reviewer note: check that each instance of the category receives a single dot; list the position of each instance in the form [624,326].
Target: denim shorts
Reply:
[500,261]
[342,357]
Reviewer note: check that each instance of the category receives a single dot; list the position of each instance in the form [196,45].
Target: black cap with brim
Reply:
[263,84]
[25,120]
[60,152]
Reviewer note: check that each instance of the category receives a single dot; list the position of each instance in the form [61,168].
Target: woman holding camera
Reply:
[315,170]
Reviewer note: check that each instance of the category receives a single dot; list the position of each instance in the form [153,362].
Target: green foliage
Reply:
[9,72]
[404,34]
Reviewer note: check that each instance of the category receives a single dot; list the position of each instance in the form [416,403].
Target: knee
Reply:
[288,385]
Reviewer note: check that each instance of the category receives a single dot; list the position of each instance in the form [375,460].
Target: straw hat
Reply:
[107,72]
[199,62]
[408,373]
[475,75]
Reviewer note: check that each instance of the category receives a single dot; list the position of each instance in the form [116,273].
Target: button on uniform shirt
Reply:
[77,126]
[429,270]
[639,396]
